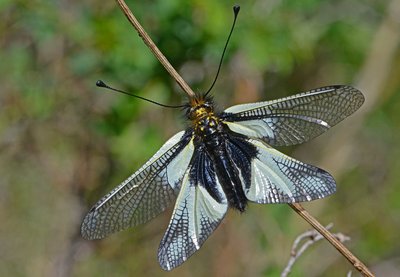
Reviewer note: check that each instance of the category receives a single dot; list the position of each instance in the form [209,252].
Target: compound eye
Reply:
[192,113]
[207,106]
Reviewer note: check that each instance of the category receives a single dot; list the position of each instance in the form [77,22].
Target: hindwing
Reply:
[277,178]
[199,208]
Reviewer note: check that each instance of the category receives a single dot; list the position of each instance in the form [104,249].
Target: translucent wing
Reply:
[294,119]
[277,178]
[145,194]
[199,208]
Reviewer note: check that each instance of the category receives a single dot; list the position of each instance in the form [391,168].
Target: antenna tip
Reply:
[101,84]
[236,9]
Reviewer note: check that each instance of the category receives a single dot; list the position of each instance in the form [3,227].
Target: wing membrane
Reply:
[145,194]
[199,209]
[295,119]
[277,178]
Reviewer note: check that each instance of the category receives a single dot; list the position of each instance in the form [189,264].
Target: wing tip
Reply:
[329,182]
[352,97]
[90,227]
[347,88]
[163,260]
[165,265]
[356,94]
[86,227]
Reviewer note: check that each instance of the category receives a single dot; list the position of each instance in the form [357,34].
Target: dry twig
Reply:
[311,237]
[157,53]
[362,268]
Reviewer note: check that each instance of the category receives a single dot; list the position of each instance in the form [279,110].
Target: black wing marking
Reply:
[199,208]
[295,119]
[145,194]
[277,178]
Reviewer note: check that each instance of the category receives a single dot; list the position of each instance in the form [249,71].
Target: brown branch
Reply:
[297,207]
[334,241]
[310,237]
[147,40]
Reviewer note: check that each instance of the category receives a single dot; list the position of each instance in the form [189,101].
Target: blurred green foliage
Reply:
[65,143]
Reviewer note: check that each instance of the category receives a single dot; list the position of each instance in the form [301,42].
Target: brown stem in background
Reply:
[304,241]
[332,239]
[295,206]
[147,40]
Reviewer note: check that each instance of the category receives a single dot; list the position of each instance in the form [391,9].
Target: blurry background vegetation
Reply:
[64,143]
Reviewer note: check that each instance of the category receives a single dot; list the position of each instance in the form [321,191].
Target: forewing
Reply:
[145,194]
[199,208]
[277,178]
[295,119]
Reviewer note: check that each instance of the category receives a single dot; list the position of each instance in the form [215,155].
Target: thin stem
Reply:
[147,40]
[363,269]
[304,241]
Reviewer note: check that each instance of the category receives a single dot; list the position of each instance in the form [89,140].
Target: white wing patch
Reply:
[253,128]
[277,178]
[177,167]
[196,215]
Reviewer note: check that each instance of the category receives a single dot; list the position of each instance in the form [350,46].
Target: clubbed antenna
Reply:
[101,84]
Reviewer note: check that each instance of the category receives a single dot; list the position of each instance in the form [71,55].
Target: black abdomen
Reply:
[227,172]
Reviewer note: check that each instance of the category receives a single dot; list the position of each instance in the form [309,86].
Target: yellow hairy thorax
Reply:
[202,115]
